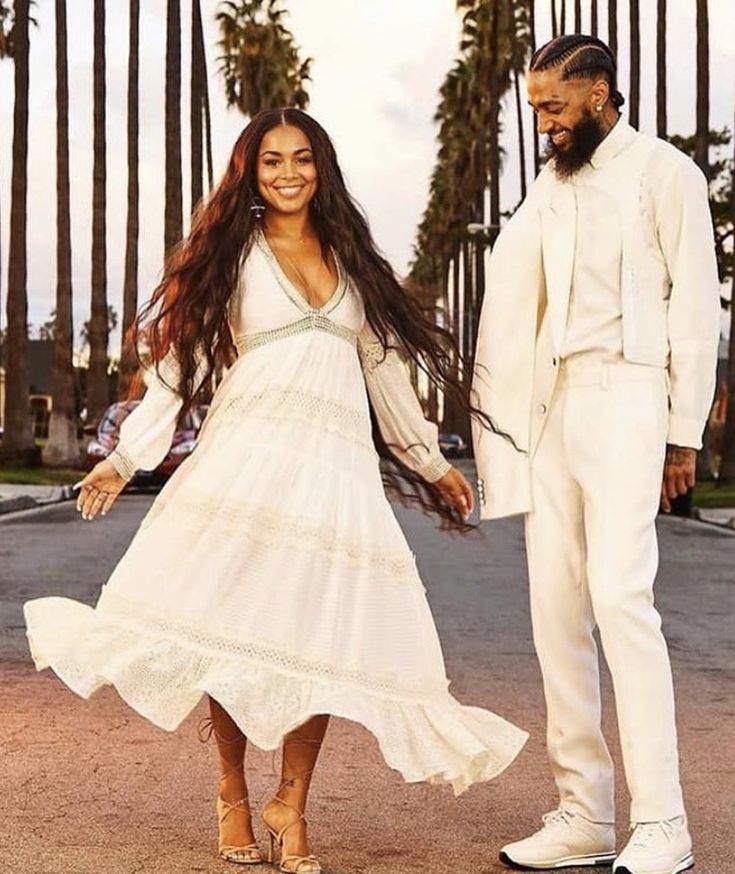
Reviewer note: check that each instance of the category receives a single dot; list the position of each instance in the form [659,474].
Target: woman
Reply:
[270,572]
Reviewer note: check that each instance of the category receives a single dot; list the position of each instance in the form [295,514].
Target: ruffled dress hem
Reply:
[432,739]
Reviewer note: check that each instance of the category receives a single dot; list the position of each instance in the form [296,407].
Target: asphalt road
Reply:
[90,787]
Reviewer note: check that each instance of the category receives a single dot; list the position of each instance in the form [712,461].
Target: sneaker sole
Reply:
[684,864]
[570,862]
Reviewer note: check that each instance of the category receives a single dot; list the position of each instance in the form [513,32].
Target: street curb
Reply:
[19,503]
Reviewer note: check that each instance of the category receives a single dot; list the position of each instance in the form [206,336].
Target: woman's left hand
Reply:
[456,492]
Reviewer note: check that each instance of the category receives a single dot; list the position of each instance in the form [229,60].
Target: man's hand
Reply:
[679,474]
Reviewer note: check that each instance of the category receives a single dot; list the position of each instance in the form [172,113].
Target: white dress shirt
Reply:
[595,316]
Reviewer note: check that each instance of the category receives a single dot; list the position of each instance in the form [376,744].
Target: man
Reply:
[596,354]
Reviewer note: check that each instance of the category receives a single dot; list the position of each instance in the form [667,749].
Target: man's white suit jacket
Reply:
[669,298]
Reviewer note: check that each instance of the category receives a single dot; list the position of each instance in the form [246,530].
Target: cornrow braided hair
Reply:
[580,57]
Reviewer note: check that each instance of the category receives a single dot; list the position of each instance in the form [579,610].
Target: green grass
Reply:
[40,476]
[711,495]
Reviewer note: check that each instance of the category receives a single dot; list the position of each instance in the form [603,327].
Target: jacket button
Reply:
[542,408]
[553,361]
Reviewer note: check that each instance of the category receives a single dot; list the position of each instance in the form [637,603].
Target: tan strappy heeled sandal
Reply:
[290,863]
[250,854]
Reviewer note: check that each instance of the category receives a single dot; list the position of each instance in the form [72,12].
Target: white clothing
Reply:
[593,429]
[595,319]
[270,571]
[592,558]
[669,293]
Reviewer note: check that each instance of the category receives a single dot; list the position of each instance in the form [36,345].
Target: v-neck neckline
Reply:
[289,287]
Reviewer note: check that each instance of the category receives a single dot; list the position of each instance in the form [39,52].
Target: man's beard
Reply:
[585,137]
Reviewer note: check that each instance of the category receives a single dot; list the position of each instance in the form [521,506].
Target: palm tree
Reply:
[661,124]
[62,448]
[594,18]
[612,25]
[635,62]
[554,21]
[563,17]
[727,466]
[532,40]
[578,16]
[128,359]
[260,60]
[6,51]
[98,393]
[173,222]
[701,143]
[18,437]
[196,103]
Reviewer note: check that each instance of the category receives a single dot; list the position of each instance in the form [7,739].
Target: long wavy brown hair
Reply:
[188,310]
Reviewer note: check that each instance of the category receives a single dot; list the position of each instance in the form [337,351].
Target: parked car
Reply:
[452,445]
[108,433]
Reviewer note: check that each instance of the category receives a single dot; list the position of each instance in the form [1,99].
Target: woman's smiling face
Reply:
[287,177]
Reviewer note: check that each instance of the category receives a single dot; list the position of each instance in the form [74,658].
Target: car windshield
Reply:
[115,416]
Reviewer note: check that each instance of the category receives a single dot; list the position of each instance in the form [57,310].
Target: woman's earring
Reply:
[257,208]
[598,108]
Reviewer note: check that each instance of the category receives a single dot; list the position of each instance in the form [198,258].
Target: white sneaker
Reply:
[566,840]
[657,848]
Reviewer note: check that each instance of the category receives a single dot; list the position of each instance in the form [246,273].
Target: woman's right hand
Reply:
[99,490]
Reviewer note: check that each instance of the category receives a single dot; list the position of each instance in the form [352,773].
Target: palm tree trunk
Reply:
[563,17]
[612,26]
[98,391]
[554,21]
[173,229]
[635,63]
[492,173]
[18,442]
[701,140]
[196,104]
[536,148]
[661,96]
[468,309]
[727,466]
[594,18]
[128,358]
[521,134]
[62,448]
[578,16]
[207,115]
[451,416]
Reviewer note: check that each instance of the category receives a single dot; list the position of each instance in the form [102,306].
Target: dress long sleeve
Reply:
[409,435]
[147,433]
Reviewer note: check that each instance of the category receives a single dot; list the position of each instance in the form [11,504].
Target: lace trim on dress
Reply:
[372,355]
[435,469]
[122,462]
[270,530]
[290,290]
[315,321]
[116,609]
[287,404]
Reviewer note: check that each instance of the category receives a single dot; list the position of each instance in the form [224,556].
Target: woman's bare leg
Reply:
[236,829]
[300,751]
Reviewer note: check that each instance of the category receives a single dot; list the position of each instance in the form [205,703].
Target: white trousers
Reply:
[592,558]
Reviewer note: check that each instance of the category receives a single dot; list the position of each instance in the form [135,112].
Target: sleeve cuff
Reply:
[435,469]
[685,432]
[122,463]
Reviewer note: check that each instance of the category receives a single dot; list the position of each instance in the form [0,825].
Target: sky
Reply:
[377,68]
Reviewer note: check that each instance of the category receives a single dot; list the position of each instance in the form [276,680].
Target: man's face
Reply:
[566,113]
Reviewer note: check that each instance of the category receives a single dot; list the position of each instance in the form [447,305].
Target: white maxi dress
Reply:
[270,572]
